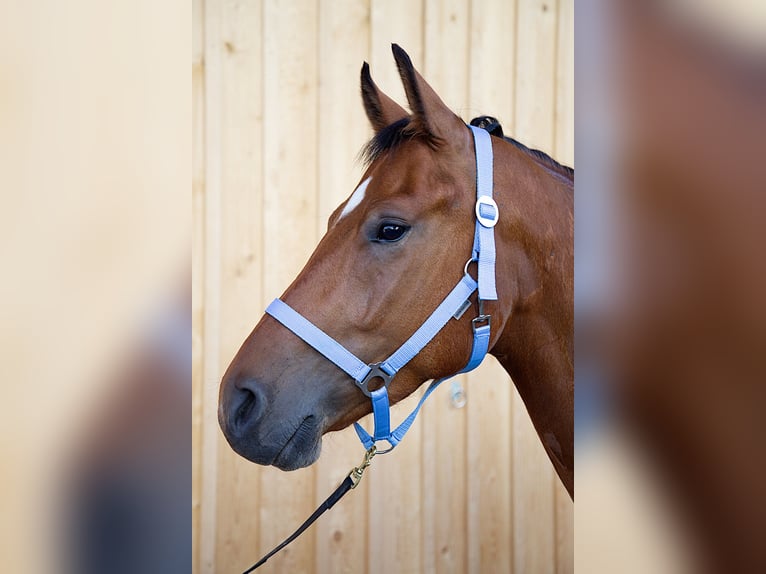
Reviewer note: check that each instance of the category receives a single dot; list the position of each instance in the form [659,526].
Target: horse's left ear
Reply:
[429,112]
[381,110]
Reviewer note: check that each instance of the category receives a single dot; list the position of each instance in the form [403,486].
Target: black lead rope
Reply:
[348,483]
[344,487]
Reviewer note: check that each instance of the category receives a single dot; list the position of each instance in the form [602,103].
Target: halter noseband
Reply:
[452,307]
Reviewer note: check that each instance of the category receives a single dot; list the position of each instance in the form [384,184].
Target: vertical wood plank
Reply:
[533,500]
[290,79]
[241,247]
[344,37]
[395,22]
[493,60]
[490,525]
[290,139]
[393,487]
[490,391]
[444,428]
[344,44]
[534,526]
[536,52]
[198,246]
[564,529]
[211,323]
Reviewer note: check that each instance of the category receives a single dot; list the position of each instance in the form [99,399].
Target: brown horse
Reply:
[391,253]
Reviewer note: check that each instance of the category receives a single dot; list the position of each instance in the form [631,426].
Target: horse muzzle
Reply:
[264,432]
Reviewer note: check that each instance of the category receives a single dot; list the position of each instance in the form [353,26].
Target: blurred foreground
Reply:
[671,277]
[95,152]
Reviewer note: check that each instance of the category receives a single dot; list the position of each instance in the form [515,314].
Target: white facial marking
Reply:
[356,198]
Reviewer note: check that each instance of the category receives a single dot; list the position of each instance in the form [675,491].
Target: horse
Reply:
[390,255]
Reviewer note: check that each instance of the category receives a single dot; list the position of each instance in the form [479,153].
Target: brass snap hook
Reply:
[356,474]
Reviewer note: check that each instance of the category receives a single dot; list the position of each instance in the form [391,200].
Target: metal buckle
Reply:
[482,318]
[487,220]
[475,323]
[376,372]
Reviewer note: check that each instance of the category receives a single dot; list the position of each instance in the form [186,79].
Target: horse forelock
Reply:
[391,137]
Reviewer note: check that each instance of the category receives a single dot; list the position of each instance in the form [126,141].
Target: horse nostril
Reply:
[249,405]
[245,408]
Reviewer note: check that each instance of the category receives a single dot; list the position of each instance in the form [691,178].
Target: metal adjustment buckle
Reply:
[476,322]
[483,206]
[482,318]
[376,372]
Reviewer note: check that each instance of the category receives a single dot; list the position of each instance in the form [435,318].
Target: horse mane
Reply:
[394,134]
[543,158]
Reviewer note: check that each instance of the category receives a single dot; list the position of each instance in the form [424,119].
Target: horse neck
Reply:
[535,288]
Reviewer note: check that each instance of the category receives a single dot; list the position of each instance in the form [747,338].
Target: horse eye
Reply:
[390,232]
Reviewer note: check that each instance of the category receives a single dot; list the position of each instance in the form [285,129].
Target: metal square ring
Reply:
[376,372]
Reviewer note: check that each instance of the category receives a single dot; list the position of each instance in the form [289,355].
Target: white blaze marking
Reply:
[356,198]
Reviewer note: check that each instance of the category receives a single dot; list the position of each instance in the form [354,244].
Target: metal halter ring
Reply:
[376,372]
[468,263]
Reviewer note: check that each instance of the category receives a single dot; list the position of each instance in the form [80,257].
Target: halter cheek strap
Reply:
[452,307]
[487,215]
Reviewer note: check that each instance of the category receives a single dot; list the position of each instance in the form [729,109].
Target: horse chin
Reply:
[303,460]
[302,448]
[295,456]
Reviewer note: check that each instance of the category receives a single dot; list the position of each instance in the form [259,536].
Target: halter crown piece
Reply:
[452,307]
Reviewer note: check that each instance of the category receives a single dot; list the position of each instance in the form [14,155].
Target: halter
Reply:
[452,307]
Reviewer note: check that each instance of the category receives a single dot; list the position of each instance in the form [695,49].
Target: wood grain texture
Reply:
[278,123]
[241,256]
[213,89]
[198,272]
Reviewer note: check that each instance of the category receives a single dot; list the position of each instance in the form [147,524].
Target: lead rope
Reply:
[349,483]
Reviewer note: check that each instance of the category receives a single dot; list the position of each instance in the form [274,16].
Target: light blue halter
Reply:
[452,307]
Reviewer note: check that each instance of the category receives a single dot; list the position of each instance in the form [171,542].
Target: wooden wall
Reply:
[278,123]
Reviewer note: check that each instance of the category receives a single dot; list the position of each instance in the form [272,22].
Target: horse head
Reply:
[391,253]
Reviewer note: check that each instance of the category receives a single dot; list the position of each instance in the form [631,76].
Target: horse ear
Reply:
[429,112]
[381,110]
